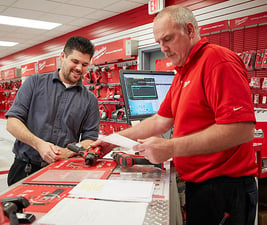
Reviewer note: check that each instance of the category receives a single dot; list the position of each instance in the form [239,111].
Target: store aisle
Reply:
[6,155]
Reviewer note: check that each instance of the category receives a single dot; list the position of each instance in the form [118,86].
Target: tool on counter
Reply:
[129,160]
[90,155]
[54,194]
[13,209]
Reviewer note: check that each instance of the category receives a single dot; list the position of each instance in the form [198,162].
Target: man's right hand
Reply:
[105,146]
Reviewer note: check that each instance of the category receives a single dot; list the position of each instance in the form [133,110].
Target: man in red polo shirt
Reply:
[210,106]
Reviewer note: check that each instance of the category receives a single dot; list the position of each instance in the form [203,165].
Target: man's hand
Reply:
[105,146]
[65,153]
[155,149]
[48,151]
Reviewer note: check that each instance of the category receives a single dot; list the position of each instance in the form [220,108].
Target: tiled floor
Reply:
[6,155]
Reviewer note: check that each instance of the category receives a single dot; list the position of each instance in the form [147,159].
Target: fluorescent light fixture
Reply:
[21,22]
[8,43]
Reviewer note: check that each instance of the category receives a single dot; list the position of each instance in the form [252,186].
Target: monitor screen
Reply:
[143,91]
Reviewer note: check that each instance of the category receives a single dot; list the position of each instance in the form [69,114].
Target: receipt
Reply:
[119,140]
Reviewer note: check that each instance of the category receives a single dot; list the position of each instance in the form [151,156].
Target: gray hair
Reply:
[181,15]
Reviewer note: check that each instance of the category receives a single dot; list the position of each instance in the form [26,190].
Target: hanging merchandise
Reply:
[255,82]
[259,58]
[264,60]
[9,86]
[103,80]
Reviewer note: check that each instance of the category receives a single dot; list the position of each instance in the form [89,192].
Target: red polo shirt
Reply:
[212,87]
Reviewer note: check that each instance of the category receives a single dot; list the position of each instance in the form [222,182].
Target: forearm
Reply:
[213,139]
[216,138]
[22,133]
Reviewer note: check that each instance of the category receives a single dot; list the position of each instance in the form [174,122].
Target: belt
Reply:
[36,163]
[226,179]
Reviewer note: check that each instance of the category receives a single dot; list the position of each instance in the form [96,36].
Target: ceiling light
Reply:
[8,43]
[21,22]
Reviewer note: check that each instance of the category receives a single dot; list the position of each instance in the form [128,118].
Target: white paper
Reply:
[95,212]
[118,190]
[119,140]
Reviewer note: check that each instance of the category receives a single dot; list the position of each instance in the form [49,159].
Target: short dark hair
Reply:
[80,44]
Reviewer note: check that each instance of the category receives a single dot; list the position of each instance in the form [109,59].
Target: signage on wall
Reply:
[115,50]
[10,73]
[48,65]
[28,69]
[213,27]
[249,20]
[155,6]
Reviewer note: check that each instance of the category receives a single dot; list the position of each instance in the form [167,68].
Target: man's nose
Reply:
[79,67]
[164,48]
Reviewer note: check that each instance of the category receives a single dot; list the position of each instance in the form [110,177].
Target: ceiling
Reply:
[72,14]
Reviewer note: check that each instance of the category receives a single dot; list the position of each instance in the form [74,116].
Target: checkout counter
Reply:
[47,187]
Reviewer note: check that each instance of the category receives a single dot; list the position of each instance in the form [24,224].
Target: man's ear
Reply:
[62,55]
[190,30]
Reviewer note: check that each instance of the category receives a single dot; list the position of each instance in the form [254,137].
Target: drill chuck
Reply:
[90,159]
[90,155]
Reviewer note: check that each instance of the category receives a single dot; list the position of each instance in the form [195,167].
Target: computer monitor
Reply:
[143,91]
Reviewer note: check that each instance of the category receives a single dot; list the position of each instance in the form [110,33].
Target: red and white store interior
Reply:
[124,30]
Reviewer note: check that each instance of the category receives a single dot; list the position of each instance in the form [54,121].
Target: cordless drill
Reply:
[129,160]
[90,154]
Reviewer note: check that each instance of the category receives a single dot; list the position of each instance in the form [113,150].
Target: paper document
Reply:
[119,140]
[95,212]
[118,190]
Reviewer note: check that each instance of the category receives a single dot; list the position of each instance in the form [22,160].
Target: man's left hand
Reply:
[65,153]
[155,149]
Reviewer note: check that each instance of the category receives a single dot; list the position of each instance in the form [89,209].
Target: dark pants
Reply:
[208,201]
[17,171]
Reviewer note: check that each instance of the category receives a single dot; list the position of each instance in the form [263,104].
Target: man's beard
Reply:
[67,77]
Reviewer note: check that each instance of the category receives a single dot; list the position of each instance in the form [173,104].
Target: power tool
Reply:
[13,209]
[90,155]
[129,160]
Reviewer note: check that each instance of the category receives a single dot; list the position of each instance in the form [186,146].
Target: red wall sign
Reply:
[213,27]
[28,69]
[249,20]
[9,73]
[47,65]
[115,50]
